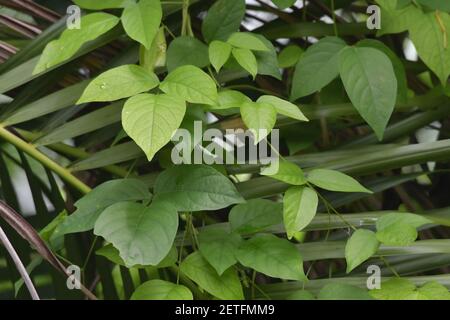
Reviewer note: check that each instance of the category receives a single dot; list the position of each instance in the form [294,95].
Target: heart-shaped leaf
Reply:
[141,21]
[121,82]
[151,120]
[143,235]
[192,84]
[161,290]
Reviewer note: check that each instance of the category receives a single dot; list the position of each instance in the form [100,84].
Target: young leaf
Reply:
[191,84]
[335,181]
[151,120]
[432,43]
[273,256]
[255,215]
[259,117]
[219,53]
[196,188]
[289,56]
[283,107]
[223,18]
[71,40]
[397,234]
[161,290]
[299,208]
[101,5]
[225,287]
[247,40]
[143,235]
[141,21]
[229,99]
[399,229]
[288,172]
[361,246]
[186,50]
[402,218]
[246,60]
[92,205]
[120,82]
[370,82]
[218,248]
[317,67]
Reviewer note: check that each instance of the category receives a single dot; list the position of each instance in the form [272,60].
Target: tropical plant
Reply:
[88,112]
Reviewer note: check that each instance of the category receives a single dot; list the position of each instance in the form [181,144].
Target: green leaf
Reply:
[260,118]
[284,4]
[436,4]
[299,208]
[186,50]
[370,82]
[143,235]
[223,18]
[121,82]
[196,188]
[247,40]
[432,43]
[141,21]
[283,107]
[289,56]
[434,291]
[414,220]
[255,215]
[229,99]
[218,247]
[398,19]
[267,60]
[225,287]
[335,181]
[113,255]
[399,229]
[246,60]
[287,172]
[342,291]
[92,205]
[104,4]
[361,246]
[71,40]
[191,84]
[317,67]
[151,120]
[219,53]
[399,68]
[273,256]
[161,290]
[397,234]
[394,289]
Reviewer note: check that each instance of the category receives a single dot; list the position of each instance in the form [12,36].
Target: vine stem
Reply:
[32,151]
[19,265]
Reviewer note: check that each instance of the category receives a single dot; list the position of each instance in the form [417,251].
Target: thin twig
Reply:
[19,265]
